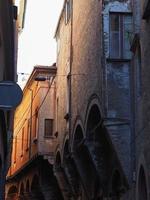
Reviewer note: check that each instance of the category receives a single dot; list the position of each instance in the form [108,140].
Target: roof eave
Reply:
[59,19]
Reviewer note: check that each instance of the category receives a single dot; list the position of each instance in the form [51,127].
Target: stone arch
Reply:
[142,185]
[57,159]
[36,189]
[93,119]
[78,137]
[78,127]
[65,147]
[27,186]
[100,148]
[116,183]
[66,151]
[27,189]
[84,166]
[12,193]
[94,103]
[35,182]
[142,175]
[61,177]
[21,191]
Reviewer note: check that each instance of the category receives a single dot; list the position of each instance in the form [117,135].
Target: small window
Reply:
[22,142]
[67,11]
[35,123]
[48,132]
[58,45]
[15,149]
[28,133]
[120,35]
[21,15]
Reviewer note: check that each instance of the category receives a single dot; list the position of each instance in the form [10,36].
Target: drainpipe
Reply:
[71,61]
[30,135]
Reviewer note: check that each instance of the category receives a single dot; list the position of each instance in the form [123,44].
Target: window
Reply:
[120,35]
[21,16]
[22,142]
[146,14]
[28,133]
[48,132]
[15,149]
[67,11]
[35,124]
[142,185]
[58,44]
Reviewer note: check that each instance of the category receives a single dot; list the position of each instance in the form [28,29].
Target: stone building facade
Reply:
[94,157]
[101,120]
[141,63]
[103,61]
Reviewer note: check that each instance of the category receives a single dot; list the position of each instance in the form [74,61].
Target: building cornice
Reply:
[38,69]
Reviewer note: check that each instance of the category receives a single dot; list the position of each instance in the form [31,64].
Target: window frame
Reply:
[21,14]
[121,55]
[28,134]
[22,141]
[35,123]
[15,149]
[51,127]
[67,11]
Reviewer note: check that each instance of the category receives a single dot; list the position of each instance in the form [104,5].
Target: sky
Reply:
[37,45]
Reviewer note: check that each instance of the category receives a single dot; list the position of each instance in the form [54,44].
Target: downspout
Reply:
[30,136]
[70,74]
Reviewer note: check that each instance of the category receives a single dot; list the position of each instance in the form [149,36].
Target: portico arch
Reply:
[21,193]
[84,165]
[27,186]
[12,193]
[116,184]
[142,185]
[102,152]
[78,137]
[57,163]
[35,188]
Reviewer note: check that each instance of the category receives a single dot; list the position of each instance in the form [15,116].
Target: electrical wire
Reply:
[27,108]
[76,74]
[37,109]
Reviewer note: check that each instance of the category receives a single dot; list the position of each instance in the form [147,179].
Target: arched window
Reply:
[12,193]
[142,187]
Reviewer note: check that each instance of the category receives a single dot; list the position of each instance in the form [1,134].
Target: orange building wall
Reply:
[40,96]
